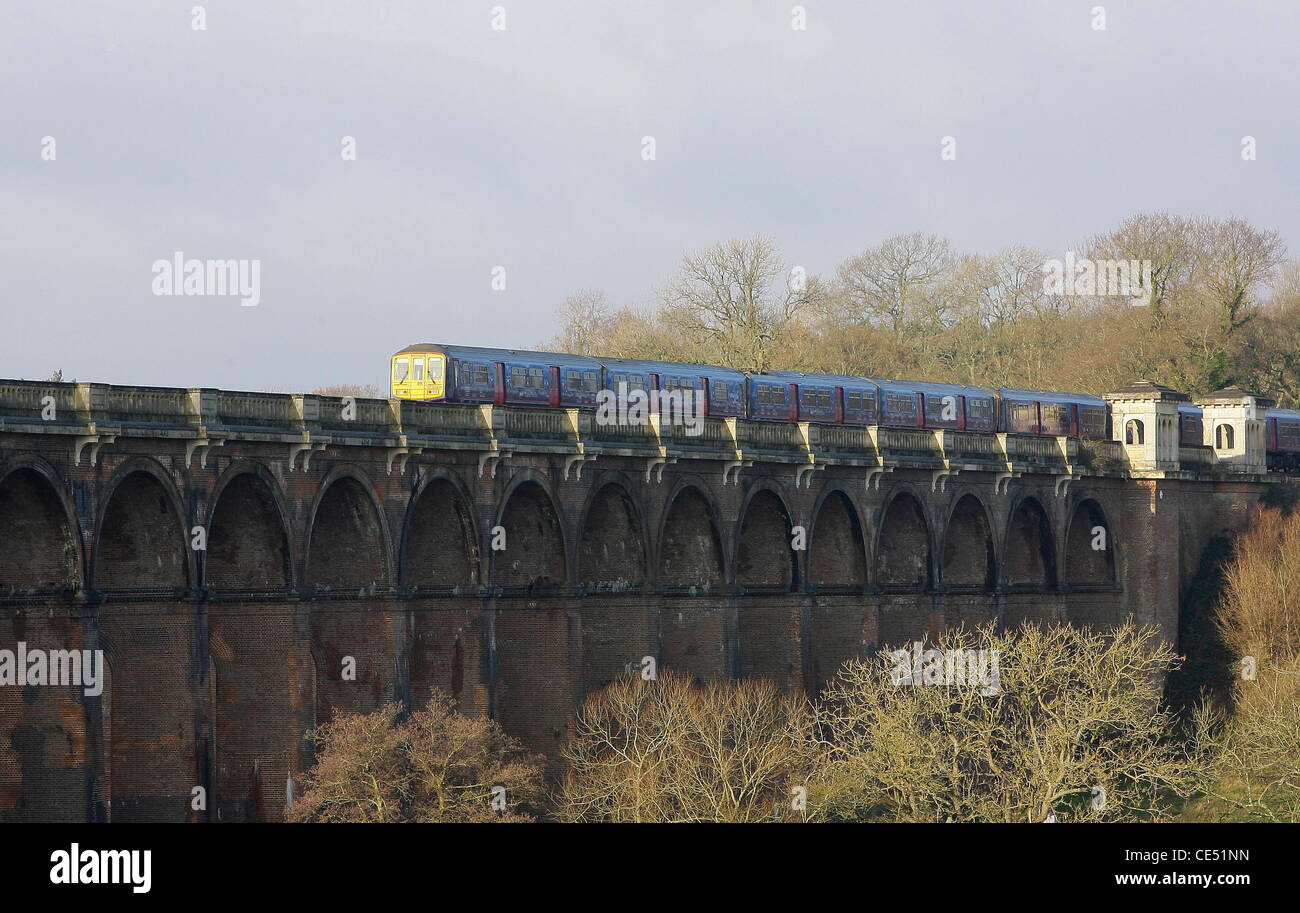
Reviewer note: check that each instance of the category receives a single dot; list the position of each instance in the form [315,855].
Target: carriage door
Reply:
[555,386]
[794,402]
[654,393]
[961,413]
[702,398]
[920,410]
[1038,417]
[1074,419]
[839,405]
[499,394]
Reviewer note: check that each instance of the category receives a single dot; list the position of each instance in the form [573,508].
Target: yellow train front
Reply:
[419,372]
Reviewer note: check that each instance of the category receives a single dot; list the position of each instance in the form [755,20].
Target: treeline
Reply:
[1221,307]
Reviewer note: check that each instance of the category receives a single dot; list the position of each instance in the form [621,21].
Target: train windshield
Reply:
[435,367]
[401,367]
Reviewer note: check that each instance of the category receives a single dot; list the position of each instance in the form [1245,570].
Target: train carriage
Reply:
[1191,425]
[833,398]
[1282,433]
[1046,413]
[668,384]
[956,407]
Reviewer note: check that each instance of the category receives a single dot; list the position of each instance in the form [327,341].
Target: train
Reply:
[518,377]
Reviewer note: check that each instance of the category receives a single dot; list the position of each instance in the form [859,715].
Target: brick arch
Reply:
[764,556]
[535,554]
[612,543]
[141,540]
[46,753]
[690,540]
[348,557]
[692,569]
[43,549]
[249,542]
[969,557]
[143,561]
[531,653]
[837,547]
[347,537]
[440,539]
[1029,550]
[1085,565]
[903,543]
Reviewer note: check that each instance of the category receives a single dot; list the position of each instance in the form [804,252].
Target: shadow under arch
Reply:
[691,574]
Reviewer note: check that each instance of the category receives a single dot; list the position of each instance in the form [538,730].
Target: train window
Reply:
[824,398]
[869,401]
[517,376]
[400,368]
[809,398]
[435,368]
[573,380]
[481,374]
[635,382]
[417,369]
[778,396]
[762,396]
[718,391]
[855,399]
[590,381]
[536,377]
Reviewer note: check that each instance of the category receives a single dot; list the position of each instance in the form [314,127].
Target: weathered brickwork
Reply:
[338,576]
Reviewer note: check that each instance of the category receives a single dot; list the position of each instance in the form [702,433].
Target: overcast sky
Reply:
[522,148]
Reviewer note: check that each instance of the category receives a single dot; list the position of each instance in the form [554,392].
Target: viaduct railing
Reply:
[96,414]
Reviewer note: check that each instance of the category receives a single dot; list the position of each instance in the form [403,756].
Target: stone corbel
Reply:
[94,442]
[578,460]
[806,472]
[939,478]
[874,474]
[658,463]
[737,465]
[202,444]
[401,455]
[1002,482]
[306,449]
[490,460]
[1063,484]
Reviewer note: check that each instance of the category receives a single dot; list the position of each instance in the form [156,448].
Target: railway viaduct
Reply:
[248,563]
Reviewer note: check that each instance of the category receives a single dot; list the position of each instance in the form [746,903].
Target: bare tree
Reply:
[739,296]
[437,765]
[1235,260]
[667,750]
[900,281]
[1072,729]
[584,317]
[1162,238]
[1258,743]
